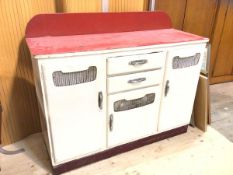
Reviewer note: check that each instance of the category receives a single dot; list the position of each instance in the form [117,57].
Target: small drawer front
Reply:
[132,115]
[134,81]
[134,63]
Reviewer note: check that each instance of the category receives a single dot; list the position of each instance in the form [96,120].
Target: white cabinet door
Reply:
[181,78]
[132,115]
[75,91]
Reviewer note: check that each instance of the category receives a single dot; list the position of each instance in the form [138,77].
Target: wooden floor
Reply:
[222,108]
[192,153]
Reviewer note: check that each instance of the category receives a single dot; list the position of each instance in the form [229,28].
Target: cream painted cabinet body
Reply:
[95,102]
[75,99]
[111,85]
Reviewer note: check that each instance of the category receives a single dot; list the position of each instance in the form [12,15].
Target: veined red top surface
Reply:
[79,32]
[93,42]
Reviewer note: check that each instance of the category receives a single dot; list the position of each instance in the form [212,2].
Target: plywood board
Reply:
[195,152]
[128,5]
[72,6]
[175,9]
[216,39]
[17,92]
[200,16]
[201,105]
[224,61]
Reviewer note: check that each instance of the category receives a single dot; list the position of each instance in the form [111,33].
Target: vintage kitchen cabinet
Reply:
[112,84]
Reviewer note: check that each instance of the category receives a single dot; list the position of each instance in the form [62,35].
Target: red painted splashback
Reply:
[63,24]
[79,32]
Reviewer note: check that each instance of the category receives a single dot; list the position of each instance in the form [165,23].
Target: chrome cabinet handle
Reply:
[137,80]
[100,100]
[167,87]
[111,122]
[137,62]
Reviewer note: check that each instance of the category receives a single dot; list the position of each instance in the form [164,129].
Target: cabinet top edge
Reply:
[117,51]
[48,45]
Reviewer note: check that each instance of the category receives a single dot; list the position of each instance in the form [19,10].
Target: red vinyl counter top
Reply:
[93,42]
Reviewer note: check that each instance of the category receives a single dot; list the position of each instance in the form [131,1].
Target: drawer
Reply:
[132,115]
[134,63]
[134,81]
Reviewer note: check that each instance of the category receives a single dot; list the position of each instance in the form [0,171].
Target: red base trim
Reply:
[117,150]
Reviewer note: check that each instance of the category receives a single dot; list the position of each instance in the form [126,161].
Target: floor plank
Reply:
[193,153]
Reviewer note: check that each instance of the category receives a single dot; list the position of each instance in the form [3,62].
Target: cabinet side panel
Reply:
[41,103]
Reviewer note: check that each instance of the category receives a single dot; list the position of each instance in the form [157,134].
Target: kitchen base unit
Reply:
[112,84]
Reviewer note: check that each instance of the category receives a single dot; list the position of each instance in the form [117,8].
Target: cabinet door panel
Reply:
[181,78]
[133,115]
[76,116]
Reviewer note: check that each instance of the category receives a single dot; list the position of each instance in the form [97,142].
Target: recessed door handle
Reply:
[100,100]
[111,122]
[137,80]
[167,87]
[137,62]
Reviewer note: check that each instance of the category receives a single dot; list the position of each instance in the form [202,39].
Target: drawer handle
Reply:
[137,62]
[138,80]
[183,62]
[73,78]
[125,105]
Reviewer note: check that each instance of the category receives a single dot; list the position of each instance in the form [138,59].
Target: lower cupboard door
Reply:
[132,115]
[75,91]
[181,79]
